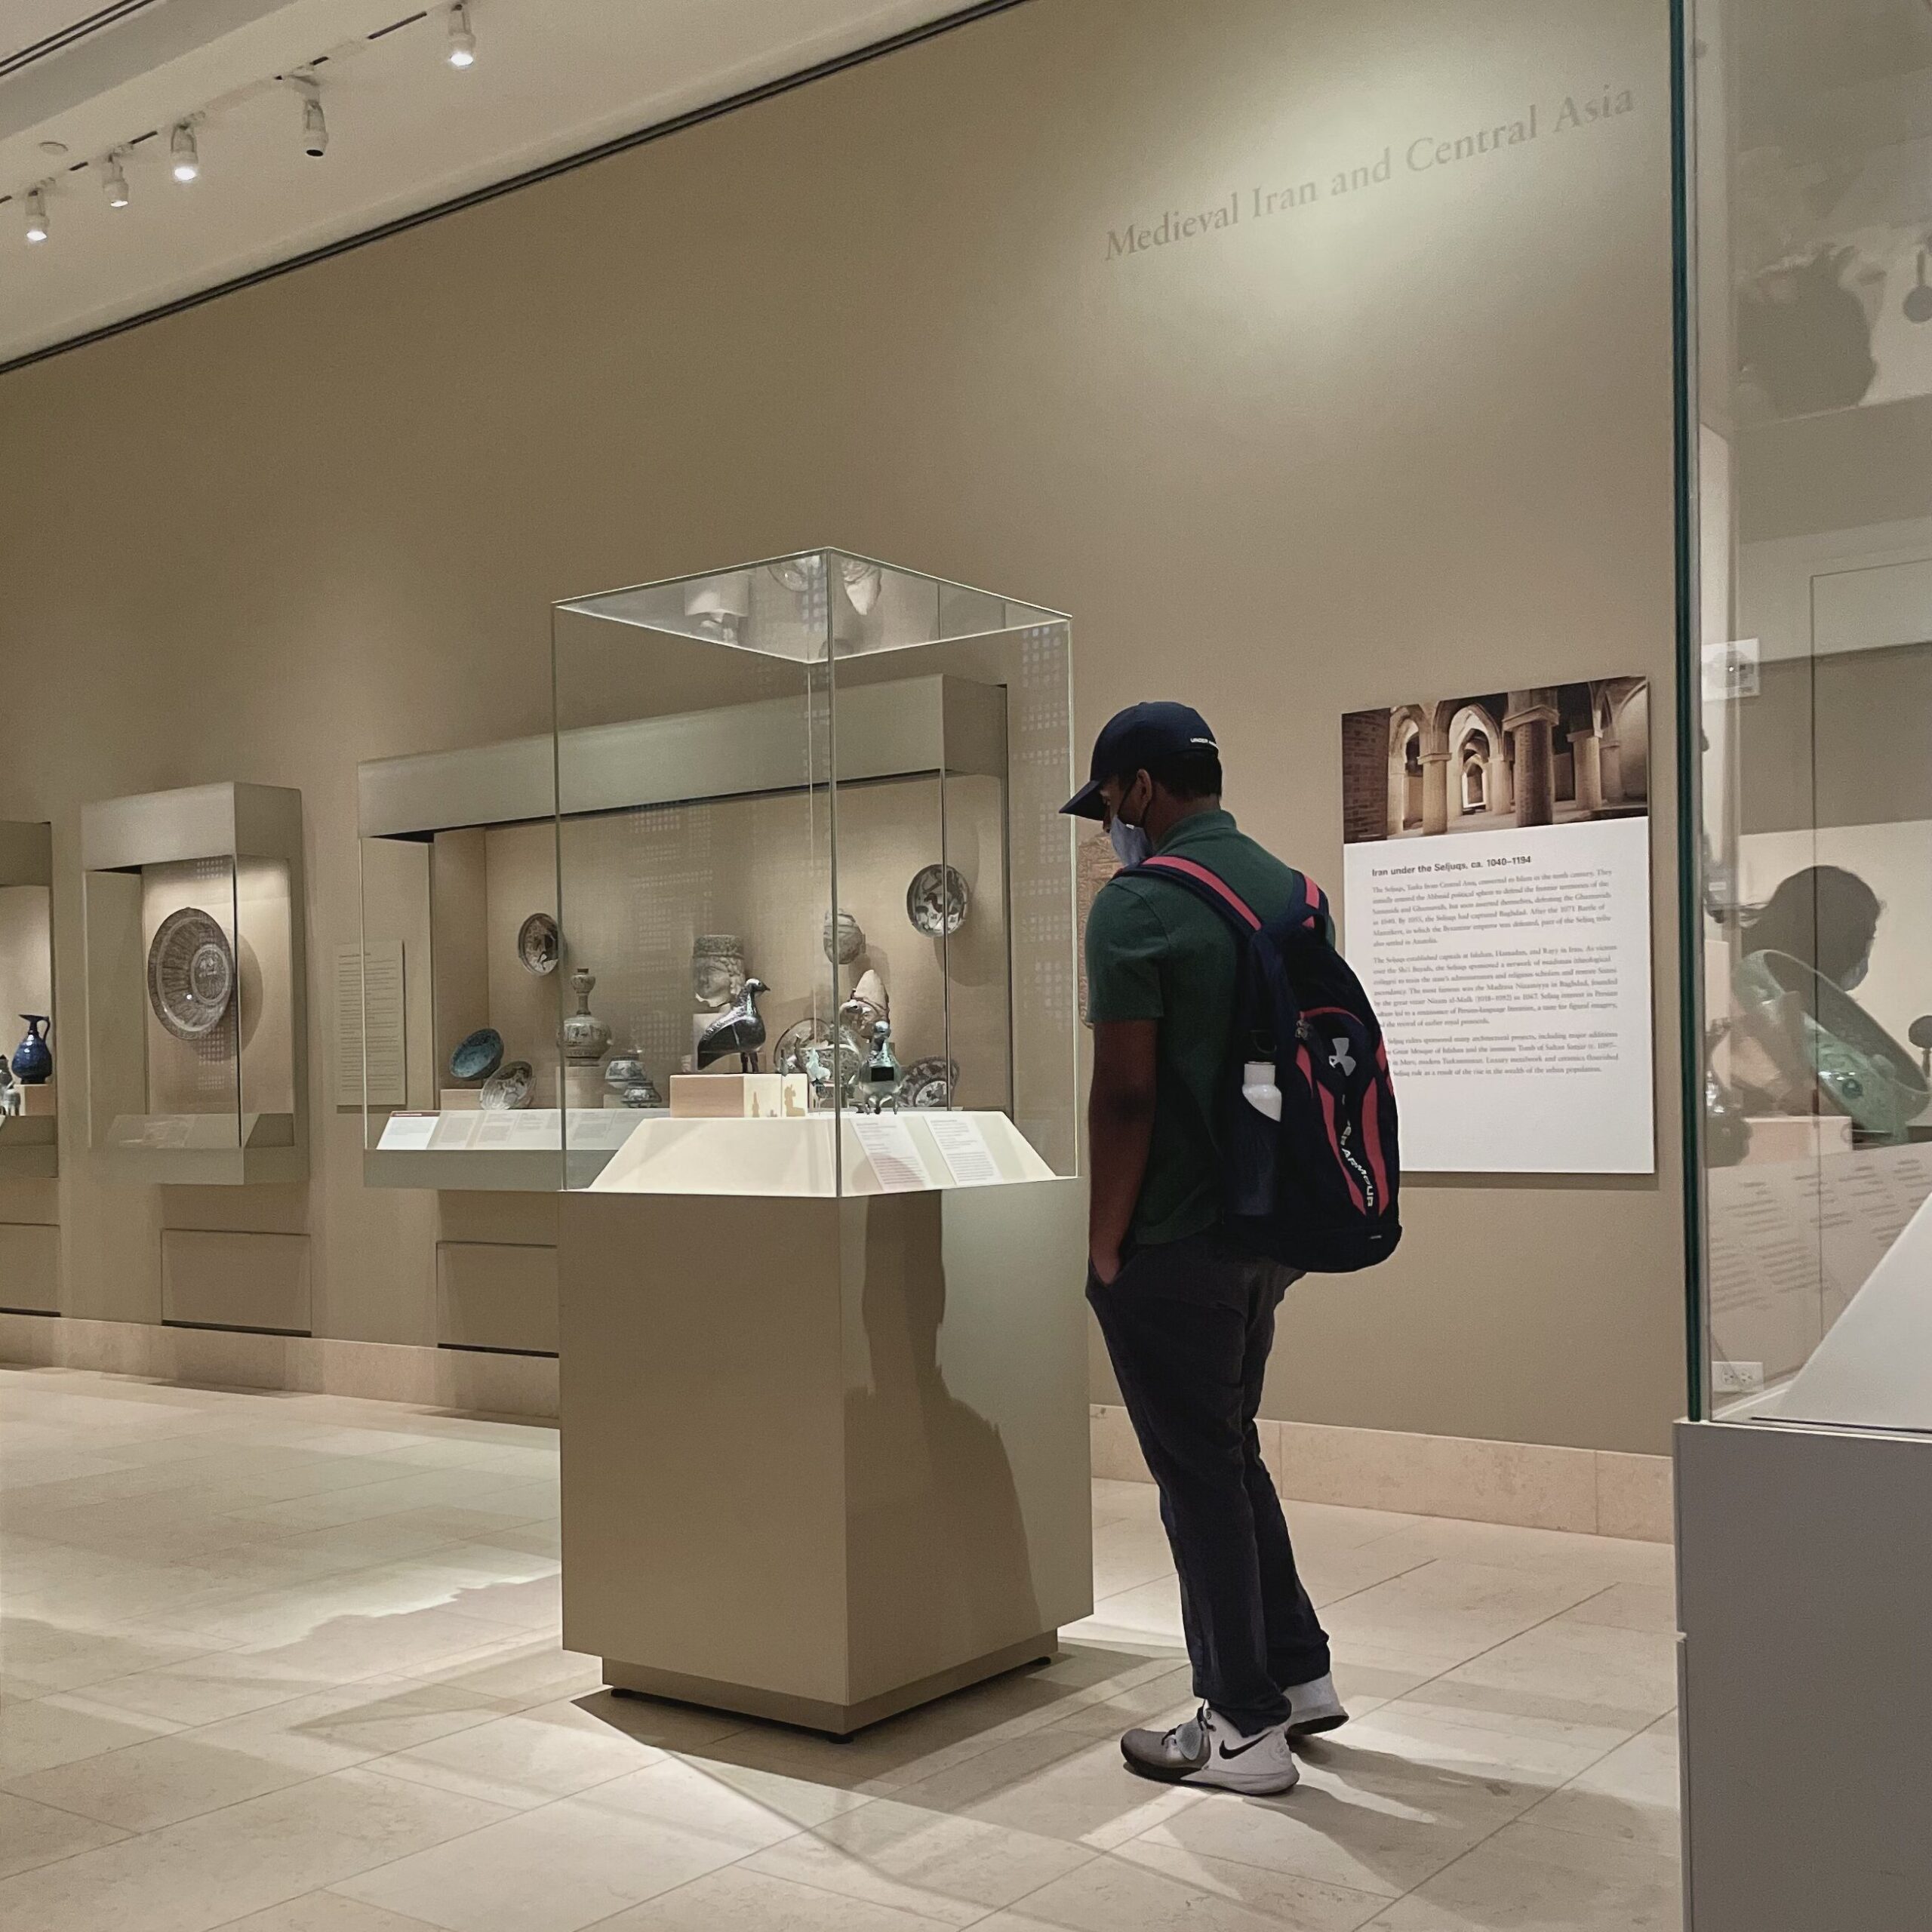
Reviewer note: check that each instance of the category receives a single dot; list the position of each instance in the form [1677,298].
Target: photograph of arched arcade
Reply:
[1553,755]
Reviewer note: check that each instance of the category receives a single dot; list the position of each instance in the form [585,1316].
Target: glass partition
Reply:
[1808,909]
[812,863]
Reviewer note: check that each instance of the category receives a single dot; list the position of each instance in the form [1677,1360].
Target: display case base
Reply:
[29,1148]
[1805,1560]
[816,1714]
[823,1460]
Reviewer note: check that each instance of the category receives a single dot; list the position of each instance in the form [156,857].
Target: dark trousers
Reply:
[1189,1325]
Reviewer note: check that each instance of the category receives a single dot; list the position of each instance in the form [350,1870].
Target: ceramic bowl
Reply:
[928,1084]
[191,973]
[538,944]
[508,1089]
[937,900]
[478,1056]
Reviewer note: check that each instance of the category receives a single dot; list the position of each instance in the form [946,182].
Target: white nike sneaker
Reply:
[1313,1707]
[1207,1750]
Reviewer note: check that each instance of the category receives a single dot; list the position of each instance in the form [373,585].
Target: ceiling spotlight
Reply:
[315,122]
[187,158]
[463,42]
[114,182]
[36,215]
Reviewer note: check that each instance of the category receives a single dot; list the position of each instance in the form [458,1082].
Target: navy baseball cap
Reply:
[1141,735]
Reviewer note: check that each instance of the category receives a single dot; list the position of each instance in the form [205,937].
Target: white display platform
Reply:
[538,1130]
[788,1159]
[474,1149]
[1868,1372]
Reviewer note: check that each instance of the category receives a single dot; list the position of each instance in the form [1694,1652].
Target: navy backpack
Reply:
[1310,1168]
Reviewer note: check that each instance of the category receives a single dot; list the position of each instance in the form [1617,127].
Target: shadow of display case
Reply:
[197,1015]
[809,848]
[30,1106]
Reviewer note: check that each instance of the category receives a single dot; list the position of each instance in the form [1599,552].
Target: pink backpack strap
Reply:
[1187,868]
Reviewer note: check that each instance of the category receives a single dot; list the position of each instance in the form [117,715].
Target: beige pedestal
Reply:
[823,1460]
[1805,1561]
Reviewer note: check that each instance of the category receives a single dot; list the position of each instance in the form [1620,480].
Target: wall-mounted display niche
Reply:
[197,1027]
[29,1091]
[448,1023]
[791,856]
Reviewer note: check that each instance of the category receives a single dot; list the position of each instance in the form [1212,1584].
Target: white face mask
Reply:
[1852,978]
[1131,845]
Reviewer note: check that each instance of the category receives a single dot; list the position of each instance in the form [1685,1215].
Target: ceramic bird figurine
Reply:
[739,1030]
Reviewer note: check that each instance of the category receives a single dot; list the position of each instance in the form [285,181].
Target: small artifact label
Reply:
[961,1142]
[407,1132]
[896,1158]
[369,1024]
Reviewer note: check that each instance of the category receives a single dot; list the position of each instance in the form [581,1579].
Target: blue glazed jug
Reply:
[33,1063]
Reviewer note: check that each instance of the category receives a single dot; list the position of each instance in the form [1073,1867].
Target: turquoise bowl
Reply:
[479,1056]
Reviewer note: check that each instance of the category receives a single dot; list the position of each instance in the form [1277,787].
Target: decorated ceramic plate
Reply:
[508,1088]
[928,1084]
[537,944]
[479,1056]
[936,901]
[191,973]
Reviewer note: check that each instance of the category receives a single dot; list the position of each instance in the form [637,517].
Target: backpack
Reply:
[1310,1171]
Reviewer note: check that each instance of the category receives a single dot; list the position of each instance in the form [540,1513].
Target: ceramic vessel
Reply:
[937,900]
[845,938]
[33,1060]
[508,1089]
[191,973]
[928,1084]
[584,1036]
[477,1056]
[539,946]
[627,1077]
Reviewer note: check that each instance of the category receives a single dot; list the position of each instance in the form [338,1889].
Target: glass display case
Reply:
[810,851]
[29,1103]
[450,1035]
[1808,858]
[785,906]
[1803,1485]
[197,1027]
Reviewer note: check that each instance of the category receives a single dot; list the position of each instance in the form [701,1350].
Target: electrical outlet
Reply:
[1737,1378]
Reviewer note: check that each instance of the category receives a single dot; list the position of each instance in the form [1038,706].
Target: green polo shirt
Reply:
[1155,951]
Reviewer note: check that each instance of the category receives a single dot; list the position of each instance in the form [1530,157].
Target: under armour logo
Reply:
[1343,1058]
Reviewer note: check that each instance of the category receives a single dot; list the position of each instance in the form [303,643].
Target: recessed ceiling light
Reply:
[463,42]
[36,215]
[187,156]
[54,147]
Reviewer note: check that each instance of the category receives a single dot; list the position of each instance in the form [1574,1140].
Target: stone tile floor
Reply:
[290,1663]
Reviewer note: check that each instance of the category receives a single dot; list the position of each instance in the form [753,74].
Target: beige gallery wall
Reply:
[1313,456]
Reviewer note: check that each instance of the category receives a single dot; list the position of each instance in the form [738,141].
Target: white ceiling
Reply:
[407,131]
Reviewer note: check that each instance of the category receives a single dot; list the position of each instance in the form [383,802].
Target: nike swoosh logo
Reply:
[1242,1750]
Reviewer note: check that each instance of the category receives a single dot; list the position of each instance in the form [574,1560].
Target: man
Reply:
[1188,1320]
